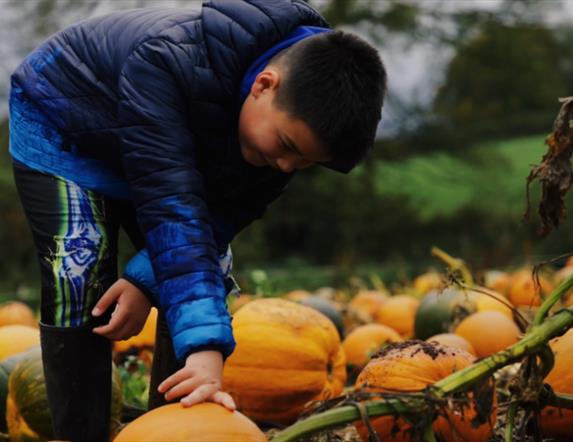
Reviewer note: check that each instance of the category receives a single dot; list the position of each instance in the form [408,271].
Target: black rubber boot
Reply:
[77,368]
[164,363]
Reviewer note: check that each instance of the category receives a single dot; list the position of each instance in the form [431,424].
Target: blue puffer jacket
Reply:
[143,105]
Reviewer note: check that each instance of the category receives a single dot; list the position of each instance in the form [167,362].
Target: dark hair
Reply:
[335,82]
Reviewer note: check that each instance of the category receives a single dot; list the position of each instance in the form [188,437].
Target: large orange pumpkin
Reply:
[523,291]
[17,338]
[206,422]
[144,339]
[364,341]
[287,354]
[398,312]
[558,423]
[488,332]
[411,366]
[16,312]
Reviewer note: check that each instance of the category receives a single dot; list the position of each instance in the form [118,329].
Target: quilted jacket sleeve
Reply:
[159,153]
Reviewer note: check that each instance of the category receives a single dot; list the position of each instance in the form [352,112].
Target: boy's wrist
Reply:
[143,289]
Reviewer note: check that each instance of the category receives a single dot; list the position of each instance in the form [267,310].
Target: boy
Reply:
[180,127]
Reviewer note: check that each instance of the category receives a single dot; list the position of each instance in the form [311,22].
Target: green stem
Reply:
[429,435]
[508,433]
[460,380]
[529,344]
[552,299]
[454,264]
[347,414]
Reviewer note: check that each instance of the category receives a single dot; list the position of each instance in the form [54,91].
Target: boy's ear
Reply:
[266,80]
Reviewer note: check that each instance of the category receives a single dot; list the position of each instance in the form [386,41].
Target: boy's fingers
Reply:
[181,389]
[200,394]
[116,323]
[225,400]
[174,379]
[106,300]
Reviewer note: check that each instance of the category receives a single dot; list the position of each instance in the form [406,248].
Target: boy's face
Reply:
[269,137]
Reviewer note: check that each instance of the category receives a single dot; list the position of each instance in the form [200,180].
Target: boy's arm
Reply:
[159,158]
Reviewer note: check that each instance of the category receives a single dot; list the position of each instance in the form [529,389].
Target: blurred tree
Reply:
[503,82]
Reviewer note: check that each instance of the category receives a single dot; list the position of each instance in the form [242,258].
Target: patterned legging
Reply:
[75,233]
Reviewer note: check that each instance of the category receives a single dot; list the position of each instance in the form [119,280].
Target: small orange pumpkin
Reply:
[497,280]
[558,423]
[17,338]
[398,312]
[523,291]
[428,281]
[364,341]
[16,312]
[488,332]
[411,366]
[287,354]
[205,422]
[452,340]
[493,302]
[364,305]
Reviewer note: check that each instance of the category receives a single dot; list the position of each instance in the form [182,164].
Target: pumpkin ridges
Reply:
[205,422]
[293,349]
[17,313]
[412,366]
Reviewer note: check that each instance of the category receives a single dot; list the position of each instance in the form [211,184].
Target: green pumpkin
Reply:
[27,411]
[6,367]
[439,310]
[327,309]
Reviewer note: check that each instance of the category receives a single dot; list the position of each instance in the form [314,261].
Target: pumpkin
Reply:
[27,410]
[364,305]
[523,291]
[205,422]
[452,340]
[558,423]
[497,281]
[364,341]
[439,310]
[16,312]
[411,366]
[493,302]
[297,295]
[560,276]
[17,338]
[6,367]
[286,355]
[488,332]
[428,281]
[328,309]
[398,312]
[236,302]
[144,339]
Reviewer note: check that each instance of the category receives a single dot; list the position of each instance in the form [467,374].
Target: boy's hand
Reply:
[130,312]
[199,381]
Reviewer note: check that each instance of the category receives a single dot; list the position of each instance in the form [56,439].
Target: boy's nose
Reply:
[288,165]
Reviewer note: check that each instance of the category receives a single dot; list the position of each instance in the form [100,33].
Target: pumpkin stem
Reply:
[552,299]
[429,435]
[508,433]
[455,264]
[414,403]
